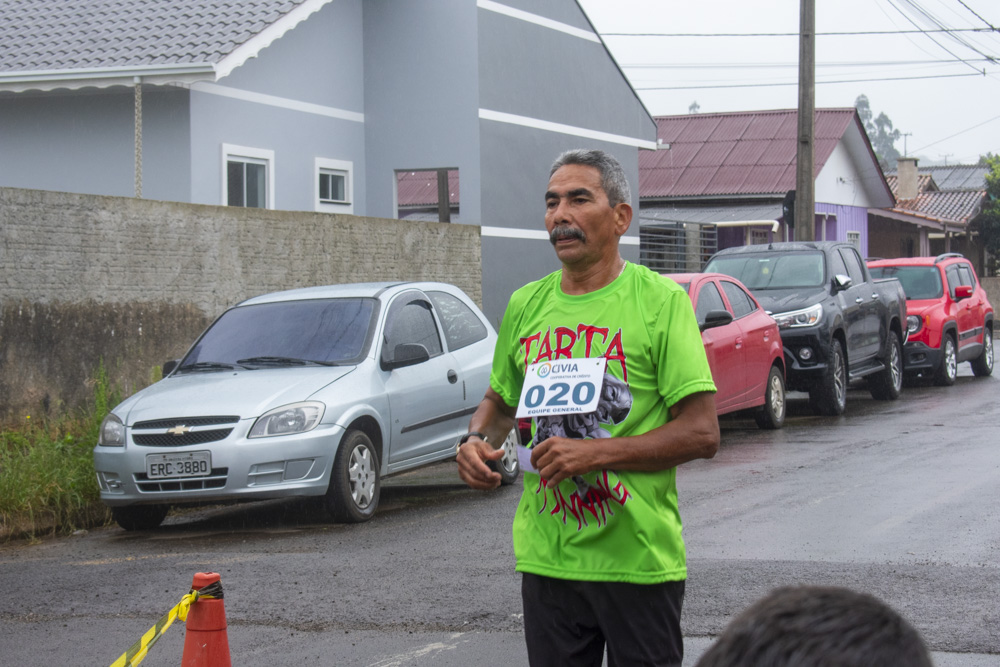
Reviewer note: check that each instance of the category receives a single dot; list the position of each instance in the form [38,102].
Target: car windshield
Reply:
[286,333]
[919,282]
[776,271]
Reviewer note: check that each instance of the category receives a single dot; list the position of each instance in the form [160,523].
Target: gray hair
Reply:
[613,178]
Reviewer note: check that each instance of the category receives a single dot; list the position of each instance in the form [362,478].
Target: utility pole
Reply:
[805,183]
[905,135]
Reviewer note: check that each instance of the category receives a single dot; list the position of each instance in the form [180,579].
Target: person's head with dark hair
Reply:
[613,178]
[809,626]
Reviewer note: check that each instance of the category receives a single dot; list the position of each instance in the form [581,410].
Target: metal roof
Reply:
[953,177]
[741,214]
[47,44]
[743,153]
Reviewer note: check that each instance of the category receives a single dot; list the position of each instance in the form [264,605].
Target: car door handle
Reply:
[875,295]
[452,376]
[739,343]
[860,299]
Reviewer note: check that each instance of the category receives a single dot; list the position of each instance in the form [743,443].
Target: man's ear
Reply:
[623,218]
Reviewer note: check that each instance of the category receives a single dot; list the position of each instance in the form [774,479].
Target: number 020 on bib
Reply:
[562,387]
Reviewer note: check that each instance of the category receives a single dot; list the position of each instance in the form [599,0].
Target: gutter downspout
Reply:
[137,83]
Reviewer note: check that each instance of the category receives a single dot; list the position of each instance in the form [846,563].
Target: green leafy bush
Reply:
[47,479]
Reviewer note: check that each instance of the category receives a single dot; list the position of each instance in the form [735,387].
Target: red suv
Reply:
[949,318]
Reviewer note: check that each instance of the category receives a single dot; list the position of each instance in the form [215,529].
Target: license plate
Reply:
[188,464]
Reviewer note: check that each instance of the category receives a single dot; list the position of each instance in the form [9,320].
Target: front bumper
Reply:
[806,359]
[920,357]
[242,469]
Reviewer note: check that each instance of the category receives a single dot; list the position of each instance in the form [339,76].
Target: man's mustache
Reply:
[566,233]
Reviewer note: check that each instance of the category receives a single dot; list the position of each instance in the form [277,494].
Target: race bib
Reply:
[563,387]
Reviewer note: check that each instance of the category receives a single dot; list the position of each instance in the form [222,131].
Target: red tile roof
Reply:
[742,153]
[420,188]
[958,206]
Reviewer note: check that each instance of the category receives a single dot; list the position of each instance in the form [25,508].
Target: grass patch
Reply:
[47,479]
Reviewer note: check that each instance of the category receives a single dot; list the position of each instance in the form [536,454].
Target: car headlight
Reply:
[913,324]
[112,433]
[288,419]
[806,317]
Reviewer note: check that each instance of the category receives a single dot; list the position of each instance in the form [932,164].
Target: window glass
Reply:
[790,270]
[965,275]
[951,273]
[323,330]
[462,326]
[332,186]
[410,321]
[853,263]
[919,282]
[742,304]
[709,299]
[246,183]
[837,265]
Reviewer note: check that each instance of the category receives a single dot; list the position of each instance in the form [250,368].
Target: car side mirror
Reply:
[169,366]
[407,354]
[963,292]
[841,282]
[715,318]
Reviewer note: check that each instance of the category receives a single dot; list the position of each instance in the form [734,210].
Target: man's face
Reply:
[582,227]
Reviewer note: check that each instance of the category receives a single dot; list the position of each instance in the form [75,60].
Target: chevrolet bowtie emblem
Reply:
[180,429]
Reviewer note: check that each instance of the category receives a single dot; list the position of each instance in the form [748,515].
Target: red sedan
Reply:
[743,345]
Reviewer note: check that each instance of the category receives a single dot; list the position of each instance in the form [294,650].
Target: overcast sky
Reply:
[954,116]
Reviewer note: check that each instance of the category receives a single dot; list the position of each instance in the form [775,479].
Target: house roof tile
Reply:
[744,153]
[54,35]
[935,202]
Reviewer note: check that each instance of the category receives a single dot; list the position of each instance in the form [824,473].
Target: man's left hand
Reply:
[557,458]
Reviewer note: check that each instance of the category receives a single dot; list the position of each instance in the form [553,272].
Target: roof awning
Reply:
[733,215]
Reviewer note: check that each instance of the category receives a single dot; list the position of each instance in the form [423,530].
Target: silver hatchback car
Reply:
[320,391]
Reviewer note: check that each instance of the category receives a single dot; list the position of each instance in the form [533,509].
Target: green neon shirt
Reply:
[606,525]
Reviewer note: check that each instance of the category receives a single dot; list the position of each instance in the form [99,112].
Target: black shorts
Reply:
[569,622]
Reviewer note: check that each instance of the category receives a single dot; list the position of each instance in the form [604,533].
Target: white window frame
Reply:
[347,169]
[248,154]
[854,238]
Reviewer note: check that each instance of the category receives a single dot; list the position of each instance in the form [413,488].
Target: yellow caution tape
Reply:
[135,654]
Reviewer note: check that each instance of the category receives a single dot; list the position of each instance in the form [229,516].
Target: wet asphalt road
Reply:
[900,499]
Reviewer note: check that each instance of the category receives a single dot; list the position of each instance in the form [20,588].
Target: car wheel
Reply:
[772,414]
[947,371]
[830,396]
[508,466]
[354,481]
[139,517]
[887,384]
[983,364]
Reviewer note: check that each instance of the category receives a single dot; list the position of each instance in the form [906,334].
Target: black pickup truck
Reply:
[837,323]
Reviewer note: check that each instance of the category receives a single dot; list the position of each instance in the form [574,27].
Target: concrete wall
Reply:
[85,278]
[992,287]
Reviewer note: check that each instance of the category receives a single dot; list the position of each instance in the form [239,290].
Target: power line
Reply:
[962,2]
[968,129]
[746,65]
[792,34]
[795,83]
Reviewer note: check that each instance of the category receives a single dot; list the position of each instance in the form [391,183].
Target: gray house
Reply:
[319,105]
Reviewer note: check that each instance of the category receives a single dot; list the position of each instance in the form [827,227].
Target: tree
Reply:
[988,221]
[881,133]
[694,107]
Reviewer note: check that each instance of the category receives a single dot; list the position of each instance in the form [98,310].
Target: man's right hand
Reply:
[472,468]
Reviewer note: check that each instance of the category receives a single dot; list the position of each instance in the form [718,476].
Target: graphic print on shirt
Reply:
[594,497]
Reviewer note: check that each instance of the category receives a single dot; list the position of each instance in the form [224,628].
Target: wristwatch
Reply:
[465,438]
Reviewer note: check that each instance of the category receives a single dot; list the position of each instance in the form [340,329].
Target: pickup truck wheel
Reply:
[508,465]
[772,414]
[354,482]
[983,364]
[139,517]
[944,375]
[830,396]
[887,384]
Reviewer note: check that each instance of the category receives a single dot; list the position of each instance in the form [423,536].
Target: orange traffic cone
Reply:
[205,642]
